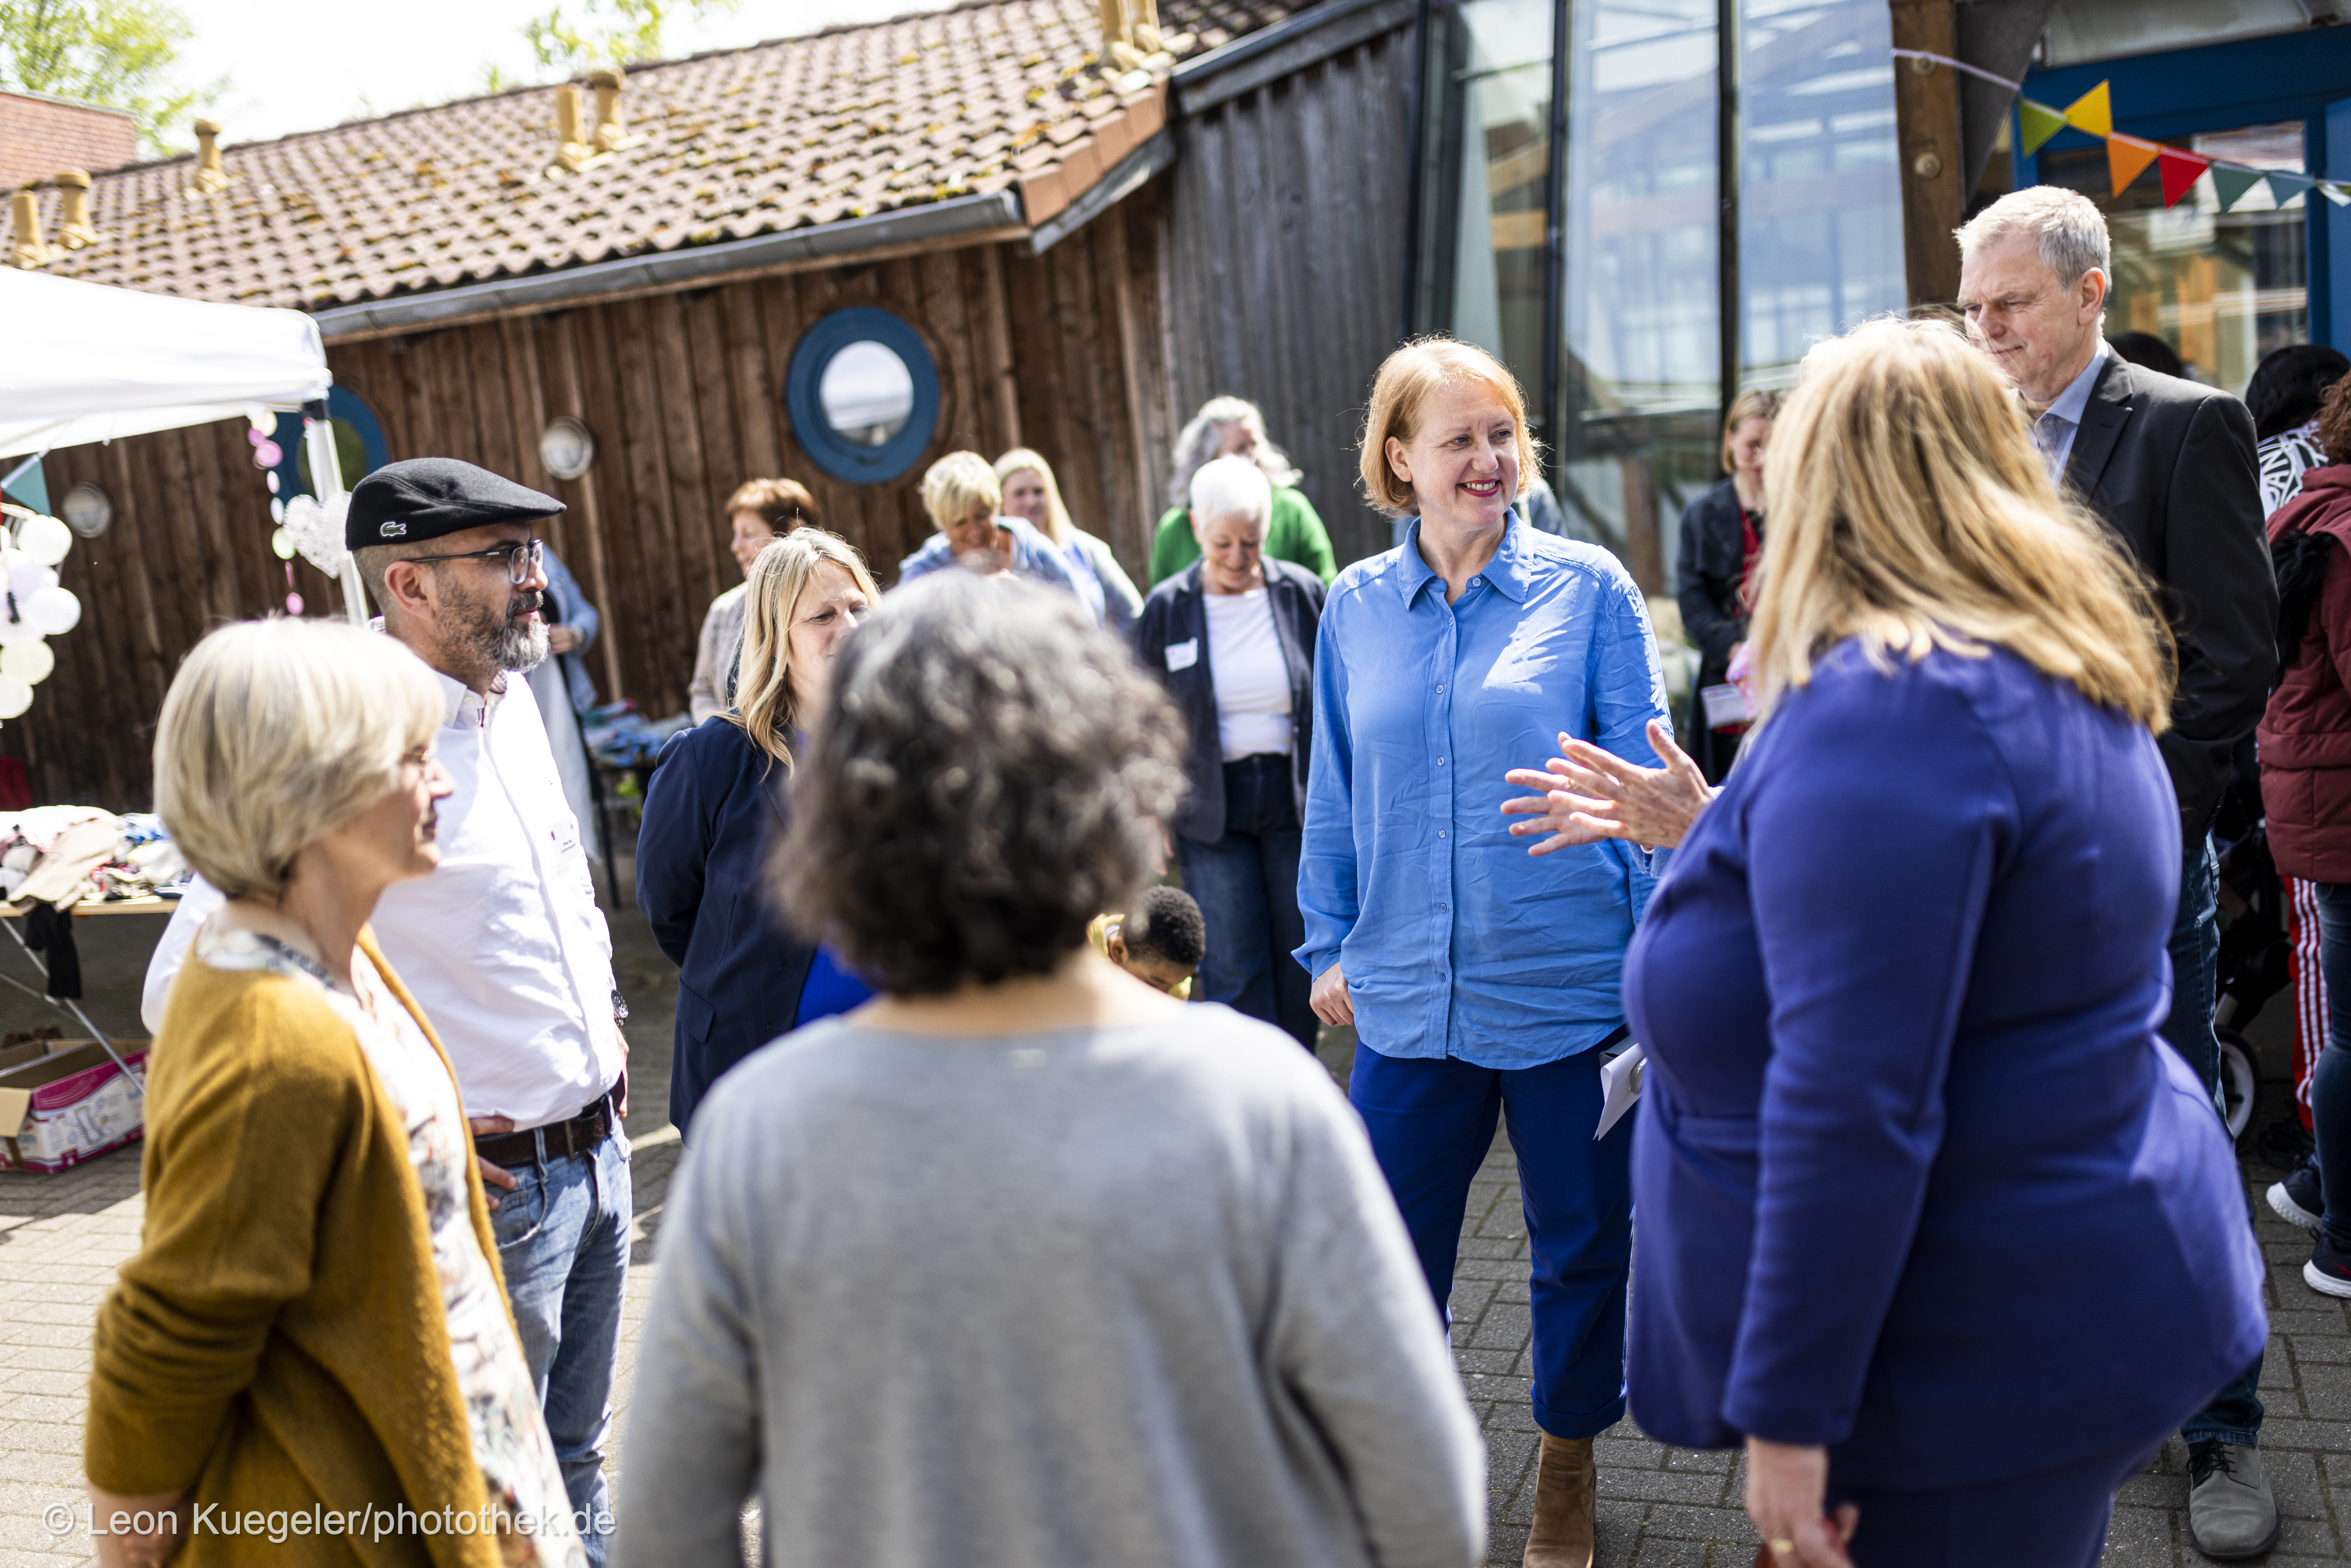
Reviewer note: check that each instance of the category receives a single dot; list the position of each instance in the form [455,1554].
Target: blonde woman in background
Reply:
[760,510]
[717,797]
[1232,427]
[315,1319]
[1032,494]
[1932,1221]
[965,504]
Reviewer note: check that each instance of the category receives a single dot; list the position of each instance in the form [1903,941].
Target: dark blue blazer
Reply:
[713,804]
[1917,1177]
[1174,614]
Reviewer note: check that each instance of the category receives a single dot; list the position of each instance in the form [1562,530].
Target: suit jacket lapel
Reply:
[2103,418]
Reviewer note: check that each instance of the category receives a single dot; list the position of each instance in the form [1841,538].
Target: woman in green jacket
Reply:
[1226,427]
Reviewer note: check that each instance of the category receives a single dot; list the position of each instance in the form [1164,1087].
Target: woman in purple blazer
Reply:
[1931,1221]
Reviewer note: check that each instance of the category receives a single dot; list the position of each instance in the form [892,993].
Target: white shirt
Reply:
[1252,683]
[503,946]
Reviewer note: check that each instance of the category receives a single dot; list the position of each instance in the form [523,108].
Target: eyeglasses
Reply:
[521,560]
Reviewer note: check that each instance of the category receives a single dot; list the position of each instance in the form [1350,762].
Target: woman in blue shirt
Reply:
[1933,1222]
[719,795]
[1482,980]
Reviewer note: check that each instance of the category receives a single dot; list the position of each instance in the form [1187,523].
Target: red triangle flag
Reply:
[2179,170]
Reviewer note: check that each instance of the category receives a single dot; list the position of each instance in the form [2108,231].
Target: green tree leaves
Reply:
[124,54]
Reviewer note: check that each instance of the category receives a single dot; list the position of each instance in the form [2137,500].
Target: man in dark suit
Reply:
[2170,465]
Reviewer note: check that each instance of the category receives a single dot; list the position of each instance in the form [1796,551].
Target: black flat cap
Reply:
[425,497]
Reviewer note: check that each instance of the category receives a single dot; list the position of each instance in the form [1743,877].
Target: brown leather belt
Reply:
[562,1140]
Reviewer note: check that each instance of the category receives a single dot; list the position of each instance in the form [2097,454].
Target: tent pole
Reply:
[326,478]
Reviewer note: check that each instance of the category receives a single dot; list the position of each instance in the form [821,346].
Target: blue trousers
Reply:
[2050,1517]
[563,1244]
[2234,1415]
[1247,886]
[1431,1123]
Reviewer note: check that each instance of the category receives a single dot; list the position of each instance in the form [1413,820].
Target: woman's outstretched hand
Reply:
[1589,794]
[1786,1485]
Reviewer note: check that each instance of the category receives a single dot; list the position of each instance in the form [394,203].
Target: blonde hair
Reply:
[1405,381]
[1058,527]
[765,708]
[955,484]
[274,734]
[1910,509]
[1197,442]
[1753,403]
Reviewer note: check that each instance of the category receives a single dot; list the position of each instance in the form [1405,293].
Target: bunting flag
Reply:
[2127,158]
[2040,122]
[2092,113]
[2181,172]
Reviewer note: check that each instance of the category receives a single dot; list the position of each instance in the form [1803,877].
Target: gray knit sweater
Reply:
[1107,1298]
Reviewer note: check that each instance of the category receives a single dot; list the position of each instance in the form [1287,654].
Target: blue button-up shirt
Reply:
[2053,431]
[1456,941]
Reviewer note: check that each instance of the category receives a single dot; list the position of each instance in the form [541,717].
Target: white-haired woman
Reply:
[965,504]
[1232,636]
[717,797]
[1232,427]
[315,1318]
[1034,495]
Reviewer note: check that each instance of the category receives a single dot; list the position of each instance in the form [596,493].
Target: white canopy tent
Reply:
[86,362]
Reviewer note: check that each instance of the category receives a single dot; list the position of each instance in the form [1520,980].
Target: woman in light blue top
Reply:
[1482,980]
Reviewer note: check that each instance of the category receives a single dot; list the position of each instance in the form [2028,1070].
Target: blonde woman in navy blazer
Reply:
[1931,1218]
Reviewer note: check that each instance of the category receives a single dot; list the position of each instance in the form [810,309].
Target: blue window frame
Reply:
[842,454]
[344,406]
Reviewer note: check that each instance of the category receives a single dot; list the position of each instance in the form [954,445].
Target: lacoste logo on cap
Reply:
[394,530]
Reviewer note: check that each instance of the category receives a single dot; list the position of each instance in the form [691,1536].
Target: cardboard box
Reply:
[70,1104]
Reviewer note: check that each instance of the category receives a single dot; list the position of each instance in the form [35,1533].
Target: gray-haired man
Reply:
[2170,465]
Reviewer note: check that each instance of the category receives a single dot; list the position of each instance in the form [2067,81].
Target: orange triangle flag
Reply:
[2093,112]
[2127,158]
[2181,172]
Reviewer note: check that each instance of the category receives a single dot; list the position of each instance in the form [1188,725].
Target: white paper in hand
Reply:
[1620,1081]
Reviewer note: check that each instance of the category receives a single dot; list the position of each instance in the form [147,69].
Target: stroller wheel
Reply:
[2238,1083]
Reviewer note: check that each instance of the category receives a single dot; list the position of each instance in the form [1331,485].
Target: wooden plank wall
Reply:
[684,393]
[1284,276]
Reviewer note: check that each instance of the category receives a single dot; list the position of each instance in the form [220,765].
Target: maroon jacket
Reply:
[2305,733]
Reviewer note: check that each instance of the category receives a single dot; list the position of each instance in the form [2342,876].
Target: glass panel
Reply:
[1498,103]
[2222,288]
[1819,196]
[1641,374]
[867,392]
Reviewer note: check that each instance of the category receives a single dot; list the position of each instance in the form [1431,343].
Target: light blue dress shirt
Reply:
[2054,432]
[1456,941]
[1033,556]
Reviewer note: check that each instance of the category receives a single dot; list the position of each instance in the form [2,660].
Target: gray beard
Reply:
[520,648]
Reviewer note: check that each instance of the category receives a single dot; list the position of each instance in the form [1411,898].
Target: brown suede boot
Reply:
[1566,1494]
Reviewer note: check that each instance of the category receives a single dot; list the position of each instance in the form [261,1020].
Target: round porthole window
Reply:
[863,395]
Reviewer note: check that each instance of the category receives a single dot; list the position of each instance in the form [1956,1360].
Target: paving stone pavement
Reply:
[61,1238]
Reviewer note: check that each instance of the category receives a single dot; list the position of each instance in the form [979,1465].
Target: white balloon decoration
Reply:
[45,540]
[15,697]
[30,663]
[54,611]
[27,579]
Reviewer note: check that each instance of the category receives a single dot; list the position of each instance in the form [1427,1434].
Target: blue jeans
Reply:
[1247,886]
[2330,1081]
[1432,1121]
[2234,1415]
[563,1242]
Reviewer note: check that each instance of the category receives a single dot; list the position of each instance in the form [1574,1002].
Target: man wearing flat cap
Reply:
[504,946]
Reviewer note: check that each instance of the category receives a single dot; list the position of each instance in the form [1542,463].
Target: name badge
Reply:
[1184,655]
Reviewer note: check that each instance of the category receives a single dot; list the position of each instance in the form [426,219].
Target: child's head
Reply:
[1160,939]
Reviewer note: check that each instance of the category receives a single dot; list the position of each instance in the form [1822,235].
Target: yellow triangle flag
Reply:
[2127,158]
[2093,112]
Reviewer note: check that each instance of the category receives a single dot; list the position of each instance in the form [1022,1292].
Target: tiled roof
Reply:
[783,135]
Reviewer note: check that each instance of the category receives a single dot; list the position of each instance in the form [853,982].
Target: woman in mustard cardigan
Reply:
[310,1360]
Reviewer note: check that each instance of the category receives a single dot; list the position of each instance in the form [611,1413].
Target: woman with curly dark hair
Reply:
[1024,1262]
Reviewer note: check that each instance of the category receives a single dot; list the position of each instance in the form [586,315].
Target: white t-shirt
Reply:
[1252,681]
